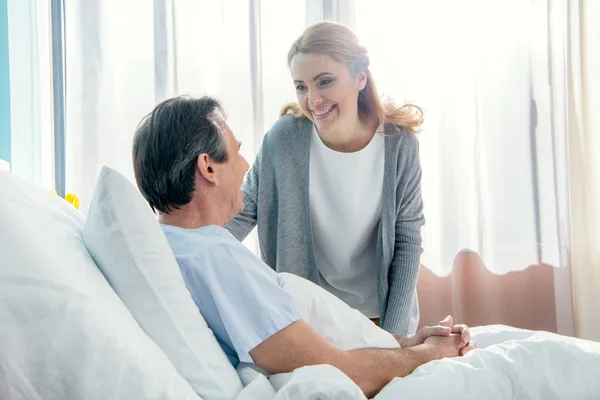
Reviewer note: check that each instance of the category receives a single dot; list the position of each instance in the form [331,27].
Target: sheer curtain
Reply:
[110,67]
[32,154]
[497,180]
[480,72]
[510,152]
[583,65]
[488,152]
[124,57]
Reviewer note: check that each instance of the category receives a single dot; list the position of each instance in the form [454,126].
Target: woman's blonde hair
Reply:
[342,45]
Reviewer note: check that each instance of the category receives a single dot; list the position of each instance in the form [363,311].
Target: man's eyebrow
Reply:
[315,77]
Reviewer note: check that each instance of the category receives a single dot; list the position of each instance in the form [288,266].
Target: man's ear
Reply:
[206,168]
[361,80]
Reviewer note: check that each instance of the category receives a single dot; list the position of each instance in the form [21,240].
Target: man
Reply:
[188,167]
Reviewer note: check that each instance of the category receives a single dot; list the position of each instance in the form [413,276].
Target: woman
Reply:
[335,188]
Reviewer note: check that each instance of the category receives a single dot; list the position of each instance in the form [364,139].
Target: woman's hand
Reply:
[461,329]
[446,327]
[423,334]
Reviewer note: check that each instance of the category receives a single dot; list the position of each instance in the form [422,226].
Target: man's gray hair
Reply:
[167,144]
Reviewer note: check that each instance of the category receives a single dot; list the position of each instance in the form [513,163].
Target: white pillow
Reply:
[64,333]
[131,250]
[343,326]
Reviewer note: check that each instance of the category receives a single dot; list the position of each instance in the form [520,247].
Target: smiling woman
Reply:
[339,199]
[333,52]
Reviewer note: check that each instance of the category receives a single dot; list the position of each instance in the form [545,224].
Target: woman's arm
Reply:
[245,221]
[404,268]
[404,272]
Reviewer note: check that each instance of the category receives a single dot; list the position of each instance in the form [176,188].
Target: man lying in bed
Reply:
[188,167]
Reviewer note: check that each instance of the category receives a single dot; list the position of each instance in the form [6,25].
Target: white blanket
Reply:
[510,364]
[515,364]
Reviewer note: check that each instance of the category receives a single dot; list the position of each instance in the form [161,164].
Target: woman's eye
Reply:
[326,82]
[300,88]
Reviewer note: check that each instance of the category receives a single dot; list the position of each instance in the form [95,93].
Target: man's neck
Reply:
[193,216]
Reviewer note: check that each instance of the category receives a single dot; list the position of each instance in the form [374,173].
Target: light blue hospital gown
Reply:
[238,294]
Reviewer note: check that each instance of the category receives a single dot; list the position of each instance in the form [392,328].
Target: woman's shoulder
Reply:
[286,131]
[400,139]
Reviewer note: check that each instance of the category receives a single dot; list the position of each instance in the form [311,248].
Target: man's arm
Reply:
[299,345]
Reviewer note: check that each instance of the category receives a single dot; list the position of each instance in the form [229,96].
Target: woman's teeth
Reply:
[323,112]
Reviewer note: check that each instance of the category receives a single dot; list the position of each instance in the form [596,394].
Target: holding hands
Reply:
[446,332]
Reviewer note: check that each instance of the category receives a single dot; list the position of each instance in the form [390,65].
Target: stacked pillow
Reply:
[132,252]
[64,333]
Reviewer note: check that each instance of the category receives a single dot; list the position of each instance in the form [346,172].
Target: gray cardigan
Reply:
[276,197]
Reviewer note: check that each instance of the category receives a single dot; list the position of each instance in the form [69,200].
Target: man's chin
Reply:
[238,211]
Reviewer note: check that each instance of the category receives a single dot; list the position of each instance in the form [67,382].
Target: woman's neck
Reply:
[349,139]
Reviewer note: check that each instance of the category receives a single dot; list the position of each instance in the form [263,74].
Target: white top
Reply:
[345,195]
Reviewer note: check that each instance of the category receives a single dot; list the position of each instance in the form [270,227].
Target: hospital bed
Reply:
[93,308]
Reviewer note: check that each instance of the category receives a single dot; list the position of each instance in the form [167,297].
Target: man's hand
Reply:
[444,346]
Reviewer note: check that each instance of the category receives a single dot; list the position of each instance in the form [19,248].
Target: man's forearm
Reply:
[299,345]
[372,369]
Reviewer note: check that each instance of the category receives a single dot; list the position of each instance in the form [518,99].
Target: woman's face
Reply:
[326,91]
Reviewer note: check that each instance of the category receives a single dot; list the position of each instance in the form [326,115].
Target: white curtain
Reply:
[510,150]
[583,63]
[110,86]
[494,168]
[479,69]
[125,57]
[32,144]
[122,58]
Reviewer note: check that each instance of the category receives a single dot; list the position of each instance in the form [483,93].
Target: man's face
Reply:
[231,174]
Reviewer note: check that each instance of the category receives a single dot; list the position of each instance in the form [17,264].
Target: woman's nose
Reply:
[314,99]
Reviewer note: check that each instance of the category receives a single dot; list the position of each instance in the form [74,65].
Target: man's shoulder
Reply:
[192,244]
